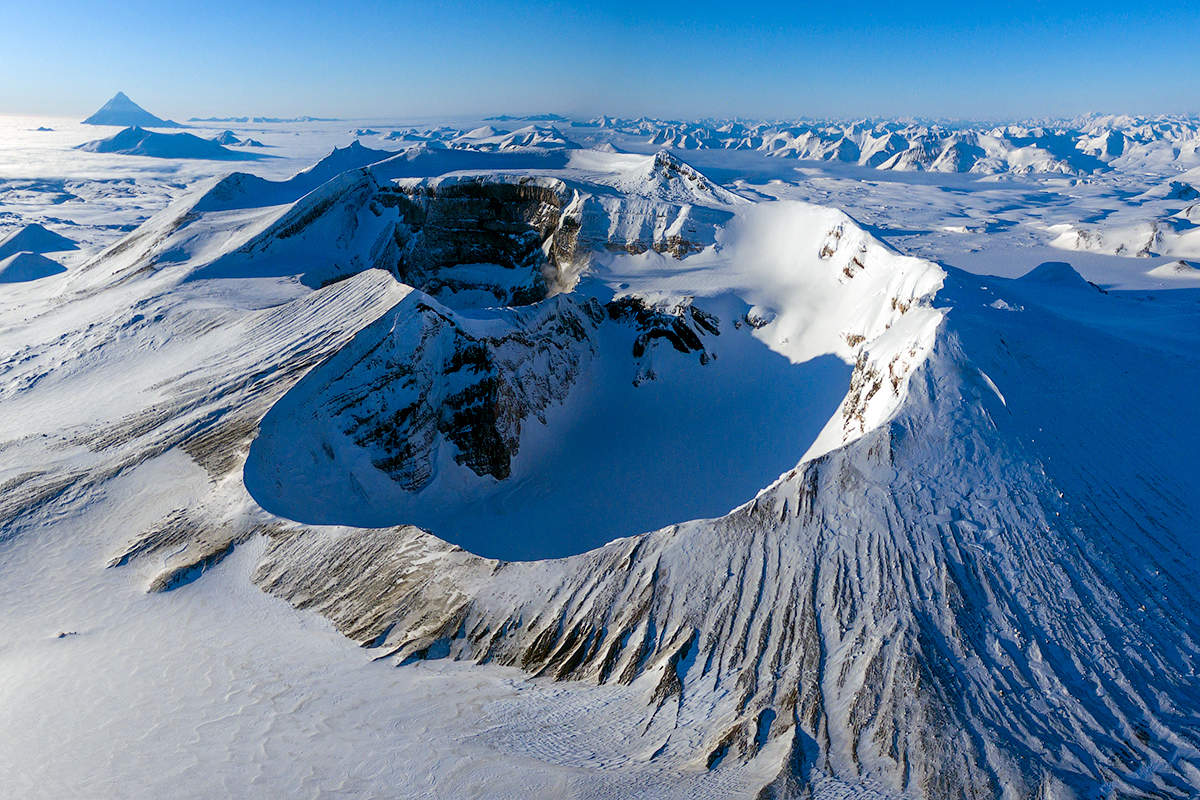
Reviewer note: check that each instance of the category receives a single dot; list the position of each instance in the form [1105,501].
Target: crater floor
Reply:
[614,459]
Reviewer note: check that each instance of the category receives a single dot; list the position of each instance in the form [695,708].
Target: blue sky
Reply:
[668,58]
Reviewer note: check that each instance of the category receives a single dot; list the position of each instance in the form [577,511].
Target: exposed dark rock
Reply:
[682,325]
[513,225]
[395,399]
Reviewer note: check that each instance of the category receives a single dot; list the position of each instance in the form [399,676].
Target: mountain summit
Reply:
[34,238]
[122,111]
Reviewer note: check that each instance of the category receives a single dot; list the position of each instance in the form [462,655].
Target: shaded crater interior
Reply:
[542,431]
[519,423]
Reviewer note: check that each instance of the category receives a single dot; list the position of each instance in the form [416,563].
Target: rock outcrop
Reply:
[430,377]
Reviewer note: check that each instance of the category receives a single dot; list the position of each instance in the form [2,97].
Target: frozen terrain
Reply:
[135,141]
[531,456]
[122,111]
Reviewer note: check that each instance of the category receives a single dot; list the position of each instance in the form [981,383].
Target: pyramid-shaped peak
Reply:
[35,239]
[122,111]
[121,102]
[25,266]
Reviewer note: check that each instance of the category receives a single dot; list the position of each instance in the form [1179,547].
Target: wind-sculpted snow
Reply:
[972,575]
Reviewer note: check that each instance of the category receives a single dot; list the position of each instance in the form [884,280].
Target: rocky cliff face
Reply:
[681,324]
[518,226]
[428,377]
[514,236]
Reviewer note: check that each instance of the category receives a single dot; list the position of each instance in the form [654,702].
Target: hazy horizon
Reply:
[375,60]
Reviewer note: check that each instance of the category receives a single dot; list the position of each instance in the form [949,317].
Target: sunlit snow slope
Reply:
[796,512]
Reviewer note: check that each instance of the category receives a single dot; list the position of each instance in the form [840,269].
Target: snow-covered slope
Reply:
[536,214]
[27,266]
[980,597]
[35,238]
[489,138]
[123,112]
[972,575]
[1177,235]
[230,139]
[136,141]
[1176,270]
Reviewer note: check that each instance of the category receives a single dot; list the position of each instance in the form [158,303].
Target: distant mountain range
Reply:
[1069,147]
[263,119]
[526,118]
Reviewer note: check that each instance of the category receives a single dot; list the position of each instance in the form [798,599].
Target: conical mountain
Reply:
[35,239]
[25,266]
[122,111]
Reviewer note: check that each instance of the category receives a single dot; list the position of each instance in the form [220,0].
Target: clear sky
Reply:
[359,58]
